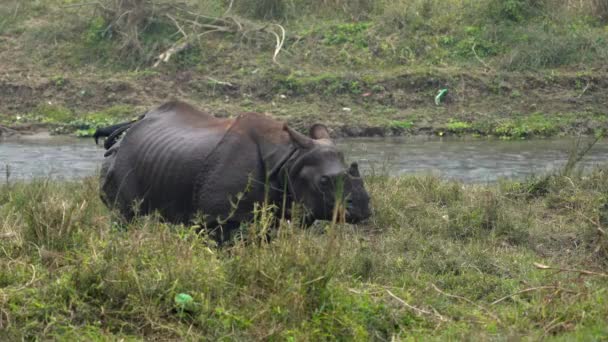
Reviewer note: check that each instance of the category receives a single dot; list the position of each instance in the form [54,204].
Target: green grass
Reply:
[438,260]
[62,120]
[509,35]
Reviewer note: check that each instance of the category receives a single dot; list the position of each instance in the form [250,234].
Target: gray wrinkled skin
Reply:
[180,161]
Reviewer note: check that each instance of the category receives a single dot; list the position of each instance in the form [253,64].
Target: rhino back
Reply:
[159,159]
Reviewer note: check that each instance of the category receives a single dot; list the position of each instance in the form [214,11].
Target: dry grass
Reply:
[438,260]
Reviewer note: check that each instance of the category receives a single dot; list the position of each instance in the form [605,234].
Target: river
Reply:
[467,159]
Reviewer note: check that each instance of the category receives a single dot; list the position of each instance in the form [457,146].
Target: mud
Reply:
[472,97]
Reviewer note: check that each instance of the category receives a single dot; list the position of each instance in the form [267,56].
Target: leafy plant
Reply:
[456,126]
[404,124]
[535,125]
[348,33]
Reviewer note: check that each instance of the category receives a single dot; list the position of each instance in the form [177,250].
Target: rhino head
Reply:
[320,179]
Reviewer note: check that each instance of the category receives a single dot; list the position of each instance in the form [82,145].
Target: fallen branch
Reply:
[466,300]
[177,25]
[582,272]
[228,24]
[415,309]
[227,84]
[530,290]
[175,48]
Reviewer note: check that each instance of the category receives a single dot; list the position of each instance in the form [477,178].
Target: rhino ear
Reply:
[354,170]
[318,131]
[300,139]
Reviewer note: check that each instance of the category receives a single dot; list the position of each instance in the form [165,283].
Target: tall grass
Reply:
[438,259]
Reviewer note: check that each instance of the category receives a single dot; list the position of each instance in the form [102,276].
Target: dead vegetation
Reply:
[130,19]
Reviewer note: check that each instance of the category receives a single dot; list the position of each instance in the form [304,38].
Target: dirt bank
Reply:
[352,105]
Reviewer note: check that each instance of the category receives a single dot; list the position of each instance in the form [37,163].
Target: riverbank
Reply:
[512,69]
[439,260]
[521,106]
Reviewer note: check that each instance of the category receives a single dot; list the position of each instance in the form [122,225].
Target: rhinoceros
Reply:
[180,162]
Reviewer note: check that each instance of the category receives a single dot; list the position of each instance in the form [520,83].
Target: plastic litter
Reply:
[184,301]
[440,96]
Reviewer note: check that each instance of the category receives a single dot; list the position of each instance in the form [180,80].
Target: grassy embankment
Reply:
[438,260]
[515,68]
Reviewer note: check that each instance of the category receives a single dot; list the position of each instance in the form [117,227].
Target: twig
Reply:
[177,25]
[479,59]
[82,4]
[175,48]
[210,26]
[418,310]
[280,42]
[584,272]
[466,300]
[16,10]
[530,290]
[314,280]
[29,282]
[584,90]
[8,235]
[595,223]
[229,8]
[206,33]
[220,82]
[238,23]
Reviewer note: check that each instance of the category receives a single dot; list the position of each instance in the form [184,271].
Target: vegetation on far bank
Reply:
[515,68]
[438,260]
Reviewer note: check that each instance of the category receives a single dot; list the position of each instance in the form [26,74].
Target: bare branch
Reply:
[415,309]
[220,82]
[466,300]
[229,8]
[177,25]
[582,272]
[530,290]
[280,42]
[175,48]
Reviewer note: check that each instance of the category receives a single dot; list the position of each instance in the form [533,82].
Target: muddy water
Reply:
[469,160]
[44,156]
